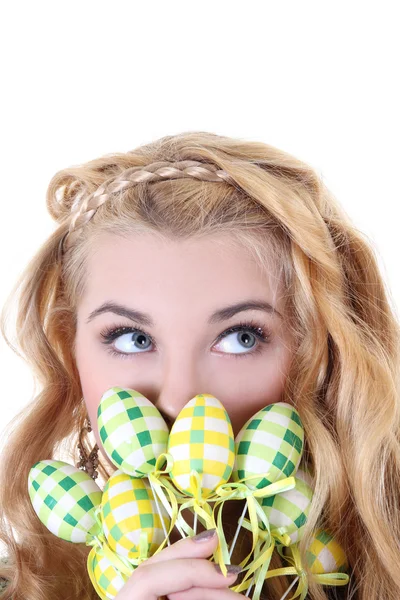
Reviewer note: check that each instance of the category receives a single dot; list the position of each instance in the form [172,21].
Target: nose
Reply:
[180,382]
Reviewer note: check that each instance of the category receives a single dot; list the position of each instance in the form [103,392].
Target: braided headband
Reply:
[82,213]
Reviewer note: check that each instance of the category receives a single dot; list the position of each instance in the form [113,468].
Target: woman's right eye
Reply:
[134,340]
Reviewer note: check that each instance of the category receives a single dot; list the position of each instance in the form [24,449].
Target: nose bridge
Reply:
[180,381]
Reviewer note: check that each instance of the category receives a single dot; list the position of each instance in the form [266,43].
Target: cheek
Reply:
[98,372]
[95,377]
[257,386]
[94,384]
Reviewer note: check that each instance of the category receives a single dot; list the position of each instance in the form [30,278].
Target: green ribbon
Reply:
[239,491]
[262,560]
[263,539]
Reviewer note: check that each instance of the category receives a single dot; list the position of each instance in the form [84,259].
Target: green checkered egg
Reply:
[287,511]
[201,440]
[132,430]
[64,498]
[128,509]
[107,580]
[269,445]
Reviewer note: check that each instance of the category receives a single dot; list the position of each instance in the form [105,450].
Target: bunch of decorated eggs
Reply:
[196,467]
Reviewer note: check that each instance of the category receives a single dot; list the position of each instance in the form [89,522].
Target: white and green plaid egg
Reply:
[64,498]
[201,440]
[270,445]
[287,512]
[128,508]
[132,430]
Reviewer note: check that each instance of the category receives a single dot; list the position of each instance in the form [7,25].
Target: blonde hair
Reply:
[344,380]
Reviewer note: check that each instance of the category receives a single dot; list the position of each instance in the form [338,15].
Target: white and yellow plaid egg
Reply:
[326,555]
[128,508]
[201,440]
[107,580]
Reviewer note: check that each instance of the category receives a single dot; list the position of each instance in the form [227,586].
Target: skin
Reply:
[180,284]
[180,572]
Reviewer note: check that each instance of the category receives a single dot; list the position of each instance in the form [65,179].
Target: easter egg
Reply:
[288,511]
[325,554]
[132,430]
[107,580]
[201,440]
[270,445]
[64,498]
[128,508]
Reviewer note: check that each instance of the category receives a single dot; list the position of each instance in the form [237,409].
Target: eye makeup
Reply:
[262,335]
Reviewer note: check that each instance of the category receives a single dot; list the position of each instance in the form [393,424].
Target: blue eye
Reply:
[135,341]
[132,341]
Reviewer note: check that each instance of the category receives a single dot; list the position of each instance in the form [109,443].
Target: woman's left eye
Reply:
[250,334]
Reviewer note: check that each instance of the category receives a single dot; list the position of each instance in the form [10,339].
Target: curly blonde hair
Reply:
[344,380]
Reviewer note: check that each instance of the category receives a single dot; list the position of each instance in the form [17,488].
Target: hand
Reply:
[181,572]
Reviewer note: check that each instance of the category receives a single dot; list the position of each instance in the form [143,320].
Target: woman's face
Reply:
[174,302]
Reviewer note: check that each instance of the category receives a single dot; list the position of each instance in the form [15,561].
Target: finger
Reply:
[199,546]
[204,594]
[169,576]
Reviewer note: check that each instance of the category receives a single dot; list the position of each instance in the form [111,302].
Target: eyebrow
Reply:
[223,314]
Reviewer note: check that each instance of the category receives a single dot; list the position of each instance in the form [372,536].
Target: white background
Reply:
[81,79]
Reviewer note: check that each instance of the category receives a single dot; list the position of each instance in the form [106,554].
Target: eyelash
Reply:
[109,334]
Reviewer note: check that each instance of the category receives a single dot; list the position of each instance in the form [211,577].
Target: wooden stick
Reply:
[289,588]
[237,530]
[159,512]
[195,523]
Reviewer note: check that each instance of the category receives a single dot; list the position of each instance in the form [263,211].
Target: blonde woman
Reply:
[201,263]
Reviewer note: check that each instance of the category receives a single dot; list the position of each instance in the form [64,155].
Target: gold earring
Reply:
[88,462]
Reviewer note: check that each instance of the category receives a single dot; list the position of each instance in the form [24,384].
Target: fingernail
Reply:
[231,569]
[204,535]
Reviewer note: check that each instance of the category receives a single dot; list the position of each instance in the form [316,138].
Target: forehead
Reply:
[214,268]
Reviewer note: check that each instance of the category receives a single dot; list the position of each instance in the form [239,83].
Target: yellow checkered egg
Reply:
[288,511]
[325,554]
[65,499]
[201,440]
[132,430]
[107,580]
[269,446]
[128,510]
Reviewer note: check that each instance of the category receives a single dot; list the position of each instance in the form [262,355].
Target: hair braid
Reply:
[84,211]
